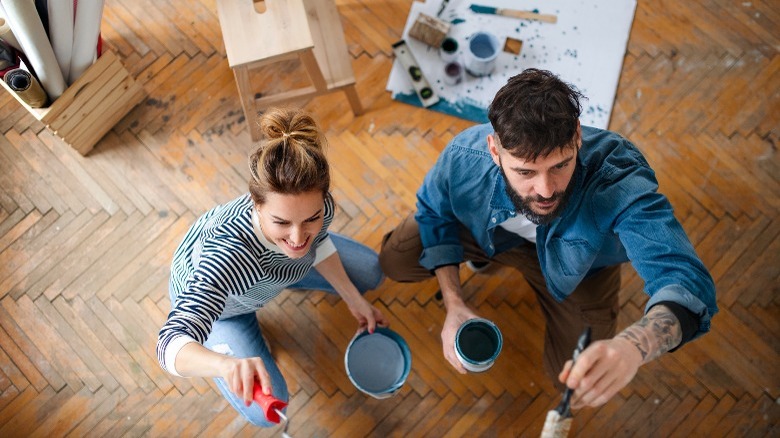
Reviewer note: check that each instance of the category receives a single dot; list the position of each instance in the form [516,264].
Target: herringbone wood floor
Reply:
[85,242]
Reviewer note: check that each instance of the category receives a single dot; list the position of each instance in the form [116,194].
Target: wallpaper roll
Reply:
[27,28]
[85,37]
[61,32]
[7,35]
[26,86]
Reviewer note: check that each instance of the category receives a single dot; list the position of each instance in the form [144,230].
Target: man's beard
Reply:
[523,205]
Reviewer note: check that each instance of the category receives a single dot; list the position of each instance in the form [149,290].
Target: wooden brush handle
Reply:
[527,15]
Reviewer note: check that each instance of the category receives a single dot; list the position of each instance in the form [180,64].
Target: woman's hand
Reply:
[367,315]
[241,376]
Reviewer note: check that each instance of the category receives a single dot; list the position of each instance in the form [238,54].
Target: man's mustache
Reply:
[538,198]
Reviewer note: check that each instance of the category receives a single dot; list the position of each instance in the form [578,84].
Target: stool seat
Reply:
[250,36]
[309,30]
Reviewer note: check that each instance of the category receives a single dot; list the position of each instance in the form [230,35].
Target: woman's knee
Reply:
[377,277]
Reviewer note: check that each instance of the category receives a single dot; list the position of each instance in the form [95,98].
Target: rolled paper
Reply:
[7,35]
[28,29]
[61,32]
[85,37]
[26,87]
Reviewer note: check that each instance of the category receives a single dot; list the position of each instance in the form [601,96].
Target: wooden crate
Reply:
[92,105]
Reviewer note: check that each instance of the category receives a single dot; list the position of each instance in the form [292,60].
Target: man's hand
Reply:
[602,370]
[457,314]
[605,367]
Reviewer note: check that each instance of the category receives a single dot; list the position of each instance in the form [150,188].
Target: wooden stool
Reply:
[309,30]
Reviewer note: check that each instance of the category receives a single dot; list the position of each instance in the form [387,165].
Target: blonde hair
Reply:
[291,157]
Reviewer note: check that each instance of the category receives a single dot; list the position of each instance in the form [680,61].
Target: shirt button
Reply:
[494,220]
[490,246]
[512,213]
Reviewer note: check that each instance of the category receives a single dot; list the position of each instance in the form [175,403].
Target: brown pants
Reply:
[594,303]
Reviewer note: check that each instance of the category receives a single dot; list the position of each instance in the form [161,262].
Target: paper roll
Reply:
[7,35]
[26,86]
[28,29]
[85,37]
[61,32]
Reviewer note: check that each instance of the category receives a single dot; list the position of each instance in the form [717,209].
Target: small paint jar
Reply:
[449,50]
[453,73]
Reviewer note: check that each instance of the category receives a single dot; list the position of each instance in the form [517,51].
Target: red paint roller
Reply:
[272,408]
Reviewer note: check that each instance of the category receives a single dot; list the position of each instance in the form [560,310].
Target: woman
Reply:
[240,255]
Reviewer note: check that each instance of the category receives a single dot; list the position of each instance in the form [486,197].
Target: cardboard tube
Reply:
[26,86]
[28,29]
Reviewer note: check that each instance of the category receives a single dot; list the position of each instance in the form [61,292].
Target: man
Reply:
[565,205]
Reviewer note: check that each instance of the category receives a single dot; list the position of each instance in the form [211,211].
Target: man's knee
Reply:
[392,262]
[400,252]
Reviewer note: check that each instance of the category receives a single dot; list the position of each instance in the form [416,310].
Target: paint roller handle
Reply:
[271,406]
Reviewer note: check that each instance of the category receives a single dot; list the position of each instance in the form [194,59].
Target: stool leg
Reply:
[354,100]
[315,74]
[247,101]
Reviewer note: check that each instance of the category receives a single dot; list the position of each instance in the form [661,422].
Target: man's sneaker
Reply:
[477,267]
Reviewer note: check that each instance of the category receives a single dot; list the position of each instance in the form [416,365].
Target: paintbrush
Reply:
[514,13]
[558,420]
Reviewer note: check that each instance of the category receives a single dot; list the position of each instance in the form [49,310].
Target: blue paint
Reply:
[458,21]
[482,47]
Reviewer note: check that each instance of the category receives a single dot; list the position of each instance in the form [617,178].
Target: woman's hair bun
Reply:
[280,123]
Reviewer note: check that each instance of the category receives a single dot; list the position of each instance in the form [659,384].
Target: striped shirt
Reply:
[225,267]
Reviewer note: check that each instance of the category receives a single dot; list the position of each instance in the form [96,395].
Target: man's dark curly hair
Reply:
[535,113]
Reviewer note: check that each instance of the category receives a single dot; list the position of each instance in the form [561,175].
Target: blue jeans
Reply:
[240,336]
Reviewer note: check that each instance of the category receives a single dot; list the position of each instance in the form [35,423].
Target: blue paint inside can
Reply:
[482,46]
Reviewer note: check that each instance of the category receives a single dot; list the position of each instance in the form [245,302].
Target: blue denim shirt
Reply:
[614,215]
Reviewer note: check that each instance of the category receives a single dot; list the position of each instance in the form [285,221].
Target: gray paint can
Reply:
[378,363]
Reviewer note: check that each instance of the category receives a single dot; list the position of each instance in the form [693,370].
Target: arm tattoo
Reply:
[656,333]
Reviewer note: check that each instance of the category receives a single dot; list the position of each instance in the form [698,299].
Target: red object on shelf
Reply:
[269,404]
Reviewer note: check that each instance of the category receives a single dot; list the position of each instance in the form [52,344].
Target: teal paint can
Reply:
[478,343]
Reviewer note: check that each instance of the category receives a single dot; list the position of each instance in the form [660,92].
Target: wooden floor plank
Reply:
[23,422]
[81,349]
[68,415]
[16,181]
[72,237]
